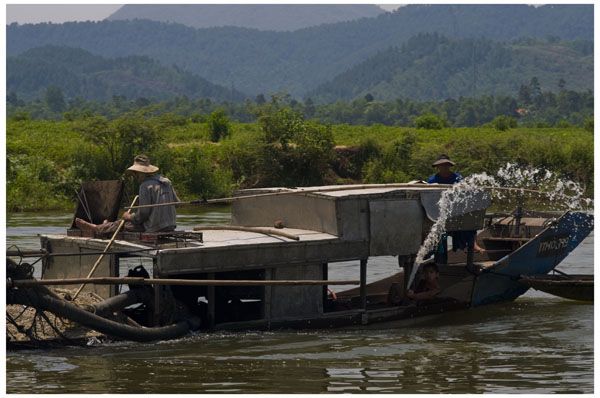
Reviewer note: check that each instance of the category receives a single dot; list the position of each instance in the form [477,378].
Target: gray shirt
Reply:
[156,189]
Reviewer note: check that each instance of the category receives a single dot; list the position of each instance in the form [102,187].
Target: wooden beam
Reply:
[175,282]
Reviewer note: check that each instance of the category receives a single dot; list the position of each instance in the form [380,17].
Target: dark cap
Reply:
[442,159]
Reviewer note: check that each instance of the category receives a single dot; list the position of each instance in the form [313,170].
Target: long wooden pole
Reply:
[329,189]
[292,192]
[108,280]
[258,230]
[110,242]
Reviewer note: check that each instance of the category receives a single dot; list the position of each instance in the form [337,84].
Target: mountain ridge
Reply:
[277,17]
[433,67]
[79,73]
[298,62]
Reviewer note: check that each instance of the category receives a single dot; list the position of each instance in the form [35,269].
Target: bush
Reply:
[218,125]
[196,174]
[119,141]
[563,124]
[430,121]
[21,116]
[394,163]
[503,122]
[35,183]
[169,119]
[588,124]
[293,152]
[198,118]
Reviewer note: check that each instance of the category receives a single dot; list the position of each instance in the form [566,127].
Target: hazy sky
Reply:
[34,13]
[58,13]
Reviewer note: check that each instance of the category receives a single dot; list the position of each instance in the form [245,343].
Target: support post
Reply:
[268,294]
[210,293]
[363,283]
[325,277]
[157,305]
[470,255]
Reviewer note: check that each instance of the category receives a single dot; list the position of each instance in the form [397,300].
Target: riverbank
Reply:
[47,160]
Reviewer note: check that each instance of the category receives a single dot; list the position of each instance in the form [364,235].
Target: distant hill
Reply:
[430,66]
[297,62]
[79,73]
[280,17]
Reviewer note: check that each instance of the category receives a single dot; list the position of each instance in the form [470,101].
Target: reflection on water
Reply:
[537,344]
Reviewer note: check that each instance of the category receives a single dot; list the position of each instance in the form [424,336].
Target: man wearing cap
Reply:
[460,240]
[154,189]
[444,174]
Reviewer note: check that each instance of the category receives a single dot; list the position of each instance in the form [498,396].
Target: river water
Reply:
[537,344]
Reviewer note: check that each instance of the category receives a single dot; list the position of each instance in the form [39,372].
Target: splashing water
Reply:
[509,182]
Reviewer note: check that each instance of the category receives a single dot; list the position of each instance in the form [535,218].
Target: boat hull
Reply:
[540,255]
[574,287]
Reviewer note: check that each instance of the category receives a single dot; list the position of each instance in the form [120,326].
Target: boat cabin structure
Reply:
[283,235]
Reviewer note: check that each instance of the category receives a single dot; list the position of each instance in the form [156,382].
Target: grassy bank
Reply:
[47,160]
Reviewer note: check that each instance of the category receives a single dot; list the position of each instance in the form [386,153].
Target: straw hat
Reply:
[443,159]
[141,164]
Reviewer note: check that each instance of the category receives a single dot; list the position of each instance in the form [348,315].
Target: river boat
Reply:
[269,268]
[573,287]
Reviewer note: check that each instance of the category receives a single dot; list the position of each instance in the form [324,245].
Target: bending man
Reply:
[154,189]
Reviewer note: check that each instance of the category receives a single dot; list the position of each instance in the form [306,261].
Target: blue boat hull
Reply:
[538,256]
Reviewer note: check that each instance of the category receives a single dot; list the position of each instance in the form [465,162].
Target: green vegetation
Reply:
[48,159]
[218,124]
[503,123]
[430,121]
[536,108]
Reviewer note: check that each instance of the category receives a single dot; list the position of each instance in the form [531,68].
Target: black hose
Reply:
[119,302]
[64,309]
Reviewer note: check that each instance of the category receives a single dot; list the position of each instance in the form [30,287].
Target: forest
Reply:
[531,106]
[300,61]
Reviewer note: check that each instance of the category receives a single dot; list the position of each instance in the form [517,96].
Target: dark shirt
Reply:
[437,179]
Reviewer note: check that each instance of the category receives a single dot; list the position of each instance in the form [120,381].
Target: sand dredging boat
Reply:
[269,269]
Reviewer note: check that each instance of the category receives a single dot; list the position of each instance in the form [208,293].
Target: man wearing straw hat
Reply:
[444,174]
[154,189]
[460,240]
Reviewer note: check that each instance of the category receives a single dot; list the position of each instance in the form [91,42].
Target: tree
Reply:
[118,142]
[430,121]
[503,122]
[11,98]
[295,152]
[218,125]
[369,97]
[525,94]
[260,99]
[535,88]
[309,108]
[588,124]
[55,99]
